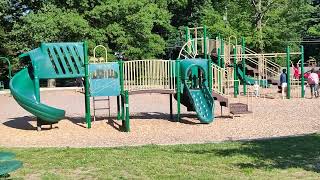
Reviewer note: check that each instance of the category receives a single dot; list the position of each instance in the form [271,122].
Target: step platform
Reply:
[238,108]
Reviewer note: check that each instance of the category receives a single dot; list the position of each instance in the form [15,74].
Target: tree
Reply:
[50,24]
[136,27]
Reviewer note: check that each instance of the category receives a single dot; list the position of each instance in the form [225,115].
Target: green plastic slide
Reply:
[202,101]
[249,80]
[23,90]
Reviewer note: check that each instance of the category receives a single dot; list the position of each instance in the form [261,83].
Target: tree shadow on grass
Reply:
[280,153]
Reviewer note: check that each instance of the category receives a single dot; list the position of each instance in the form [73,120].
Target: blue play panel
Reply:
[104,79]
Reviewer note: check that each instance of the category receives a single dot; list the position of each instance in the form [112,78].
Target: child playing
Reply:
[313,81]
[256,88]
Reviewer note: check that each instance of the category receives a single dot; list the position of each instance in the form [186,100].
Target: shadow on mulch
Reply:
[111,121]
[23,123]
[165,117]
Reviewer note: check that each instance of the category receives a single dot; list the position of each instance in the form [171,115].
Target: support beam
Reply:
[178,90]
[127,119]
[118,108]
[302,72]
[86,84]
[205,42]
[235,77]
[210,79]
[288,73]
[222,53]
[171,108]
[243,44]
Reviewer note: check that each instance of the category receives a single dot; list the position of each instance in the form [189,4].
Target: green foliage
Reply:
[50,24]
[144,29]
[138,28]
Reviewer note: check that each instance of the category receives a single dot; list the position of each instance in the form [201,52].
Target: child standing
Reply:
[313,81]
[256,88]
[283,82]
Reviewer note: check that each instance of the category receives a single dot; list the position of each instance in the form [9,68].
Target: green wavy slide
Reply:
[23,90]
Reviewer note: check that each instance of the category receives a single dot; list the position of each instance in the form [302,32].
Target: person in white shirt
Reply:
[313,81]
[256,88]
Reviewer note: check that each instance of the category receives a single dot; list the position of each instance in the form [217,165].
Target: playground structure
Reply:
[70,60]
[232,61]
[194,80]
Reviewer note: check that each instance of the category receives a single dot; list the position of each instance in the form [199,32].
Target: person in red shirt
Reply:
[296,73]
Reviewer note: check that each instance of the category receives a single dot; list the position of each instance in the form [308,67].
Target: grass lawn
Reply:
[288,158]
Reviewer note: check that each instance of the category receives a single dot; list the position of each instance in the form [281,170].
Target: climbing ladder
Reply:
[107,102]
[104,81]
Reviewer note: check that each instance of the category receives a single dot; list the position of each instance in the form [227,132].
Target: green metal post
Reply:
[288,73]
[118,108]
[235,77]
[86,84]
[205,42]
[187,34]
[121,89]
[222,53]
[219,72]
[210,74]
[36,82]
[302,72]
[219,57]
[244,64]
[178,89]
[127,122]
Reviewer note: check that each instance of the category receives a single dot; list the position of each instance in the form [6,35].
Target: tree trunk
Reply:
[51,83]
[259,25]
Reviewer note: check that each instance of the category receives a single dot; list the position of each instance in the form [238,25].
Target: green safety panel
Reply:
[6,156]
[58,60]
[9,166]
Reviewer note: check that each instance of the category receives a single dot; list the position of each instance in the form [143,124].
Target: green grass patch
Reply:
[287,158]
